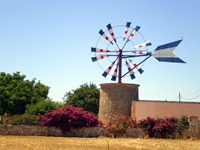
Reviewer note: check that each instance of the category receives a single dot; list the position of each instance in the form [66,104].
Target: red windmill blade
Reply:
[130,71]
[148,43]
[108,69]
[134,31]
[111,32]
[98,50]
[99,57]
[140,70]
[114,76]
[126,29]
[105,36]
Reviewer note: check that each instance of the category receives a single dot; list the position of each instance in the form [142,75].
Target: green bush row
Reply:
[24,119]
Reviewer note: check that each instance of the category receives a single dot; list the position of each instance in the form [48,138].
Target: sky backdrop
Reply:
[51,40]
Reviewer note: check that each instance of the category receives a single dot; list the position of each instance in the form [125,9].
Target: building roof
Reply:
[162,101]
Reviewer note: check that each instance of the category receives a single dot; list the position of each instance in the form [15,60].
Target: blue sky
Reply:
[51,41]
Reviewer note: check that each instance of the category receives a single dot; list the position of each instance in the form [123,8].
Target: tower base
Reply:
[116,99]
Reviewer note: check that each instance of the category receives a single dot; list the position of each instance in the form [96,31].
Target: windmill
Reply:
[127,53]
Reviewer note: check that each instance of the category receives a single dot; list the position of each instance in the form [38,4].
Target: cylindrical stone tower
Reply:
[116,98]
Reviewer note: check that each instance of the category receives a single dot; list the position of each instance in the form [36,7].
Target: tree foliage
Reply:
[16,93]
[86,97]
[69,117]
[42,107]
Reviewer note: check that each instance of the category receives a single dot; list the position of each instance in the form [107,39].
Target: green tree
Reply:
[16,93]
[86,97]
[42,107]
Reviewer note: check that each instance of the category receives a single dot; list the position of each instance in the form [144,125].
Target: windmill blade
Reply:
[108,69]
[141,52]
[164,53]
[114,76]
[130,71]
[126,29]
[105,36]
[99,58]
[111,32]
[148,43]
[98,50]
[140,70]
[133,32]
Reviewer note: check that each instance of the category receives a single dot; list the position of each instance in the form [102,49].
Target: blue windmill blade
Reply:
[102,33]
[99,58]
[130,71]
[164,53]
[114,76]
[148,43]
[108,69]
[110,30]
[134,31]
[140,70]
[98,50]
[126,29]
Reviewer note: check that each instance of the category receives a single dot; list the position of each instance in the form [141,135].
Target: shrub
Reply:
[163,128]
[24,119]
[69,117]
[166,128]
[42,107]
[147,125]
[119,123]
[184,122]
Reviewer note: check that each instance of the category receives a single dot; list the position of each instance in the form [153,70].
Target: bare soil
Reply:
[62,143]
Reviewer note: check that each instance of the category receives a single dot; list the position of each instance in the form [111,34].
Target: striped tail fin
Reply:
[164,53]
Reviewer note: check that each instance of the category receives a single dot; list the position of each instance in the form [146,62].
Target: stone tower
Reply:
[116,98]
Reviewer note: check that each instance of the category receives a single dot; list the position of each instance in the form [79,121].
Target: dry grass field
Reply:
[62,143]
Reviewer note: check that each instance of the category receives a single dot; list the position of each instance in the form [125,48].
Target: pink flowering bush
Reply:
[162,128]
[69,117]
[166,128]
[147,125]
[119,123]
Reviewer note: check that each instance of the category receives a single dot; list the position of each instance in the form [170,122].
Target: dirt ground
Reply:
[62,143]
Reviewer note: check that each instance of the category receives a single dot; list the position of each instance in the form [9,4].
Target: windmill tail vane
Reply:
[163,53]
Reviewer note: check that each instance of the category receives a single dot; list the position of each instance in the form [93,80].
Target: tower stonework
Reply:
[116,98]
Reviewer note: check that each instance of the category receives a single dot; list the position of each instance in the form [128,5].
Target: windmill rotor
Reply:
[125,54]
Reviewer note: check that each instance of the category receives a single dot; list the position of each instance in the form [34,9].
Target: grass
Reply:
[62,143]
